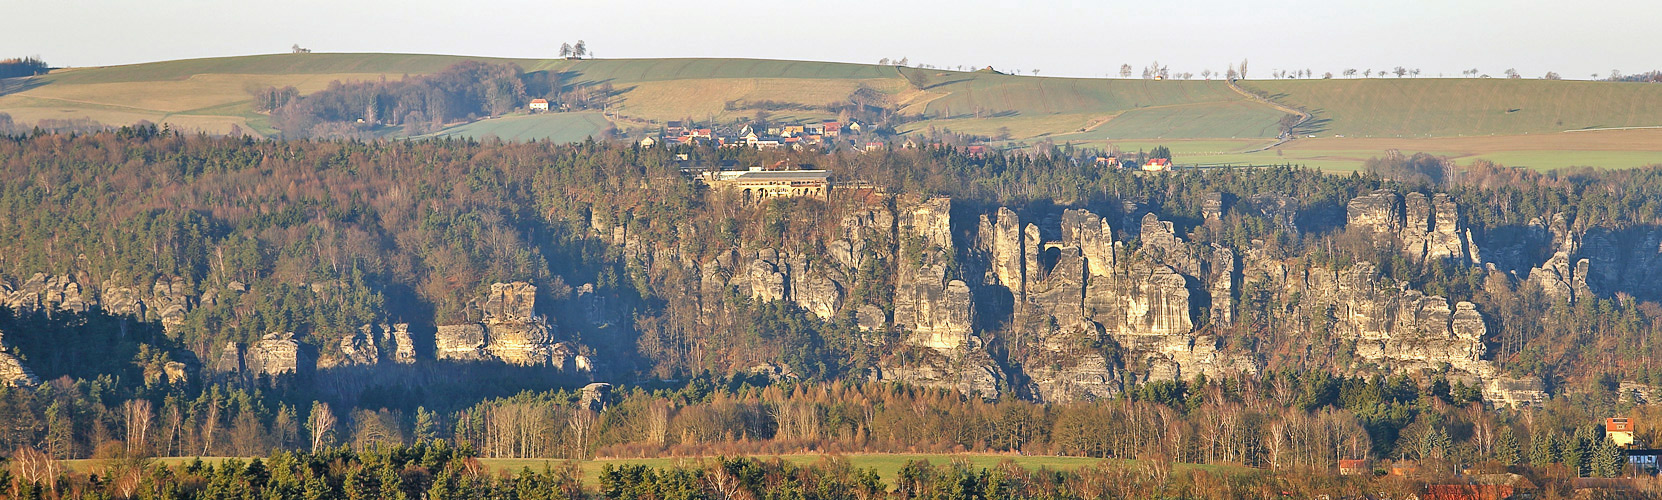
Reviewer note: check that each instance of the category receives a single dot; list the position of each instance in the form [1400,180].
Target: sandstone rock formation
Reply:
[1423,228]
[170,300]
[936,311]
[931,220]
[1562,276]
[1212,206]
[1281,210]
[595,397]
[1090,377]
[510,303]
[865,234]
[276,354]
[12,371]
[461,342]
[1514,392]
[869,317]
[970,372]
[230,359]
[509,331]
[775,275]
[371,344]
[1161,244]
[1392,323]
[14,374]
[43,292]
[1627,261]
[1093,237]
[1080,291]
[1002,241]
[1222,285]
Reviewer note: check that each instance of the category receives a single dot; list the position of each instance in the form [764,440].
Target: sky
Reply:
[1082,39]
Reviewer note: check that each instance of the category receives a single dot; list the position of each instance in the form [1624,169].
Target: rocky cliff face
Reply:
[1422,228]
[1056,307]
[373,344]
[509,331]
[934,308]
[1392,323]
[12,371]
[936,311]
[1627,261]
[1075,297]
[43,292]
[773,275]
[277,353]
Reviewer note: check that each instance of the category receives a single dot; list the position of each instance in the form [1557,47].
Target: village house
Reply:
[538,104]
[1645,460]
[1157,165]
[1619,430]
[833,129]
[1353,467]
[757,184]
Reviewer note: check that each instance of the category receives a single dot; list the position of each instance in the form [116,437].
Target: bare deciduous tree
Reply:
[36,467]
[321,423]
[138,416]
[582,424]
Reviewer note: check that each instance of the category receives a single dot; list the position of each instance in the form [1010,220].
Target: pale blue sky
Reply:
[1058,38]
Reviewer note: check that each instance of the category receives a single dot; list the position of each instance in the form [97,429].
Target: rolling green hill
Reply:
[1445,107]
[214,95]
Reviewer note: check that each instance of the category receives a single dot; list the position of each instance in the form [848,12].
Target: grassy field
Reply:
[1516,122]
[1232,119]
[1449,107]
[1087,108]
[1607,149]
[557,127]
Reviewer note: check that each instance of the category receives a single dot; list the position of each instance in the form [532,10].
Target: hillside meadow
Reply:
[1516,122]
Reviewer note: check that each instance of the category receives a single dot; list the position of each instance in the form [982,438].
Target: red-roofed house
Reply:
[1620,430]
[538,105]
[1157,165]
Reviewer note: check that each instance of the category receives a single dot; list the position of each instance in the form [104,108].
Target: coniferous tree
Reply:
[1607,459]
[1506,447]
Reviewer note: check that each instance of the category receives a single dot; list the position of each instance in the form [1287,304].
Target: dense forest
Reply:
[324,238]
